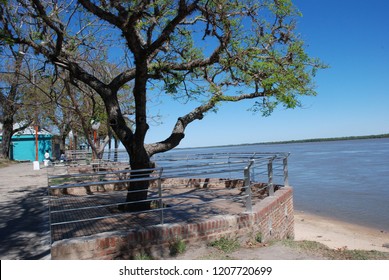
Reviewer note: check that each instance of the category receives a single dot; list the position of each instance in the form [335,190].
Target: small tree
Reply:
[209,51]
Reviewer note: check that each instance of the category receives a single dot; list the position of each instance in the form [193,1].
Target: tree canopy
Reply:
[212,51]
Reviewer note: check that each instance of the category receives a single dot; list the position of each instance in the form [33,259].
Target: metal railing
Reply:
[78,157]
[176,186]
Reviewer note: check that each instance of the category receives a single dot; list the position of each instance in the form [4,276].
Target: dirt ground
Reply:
[275,251]
[24,218]
[24,229]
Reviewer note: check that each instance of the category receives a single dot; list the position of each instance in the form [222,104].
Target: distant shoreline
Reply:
[346,138]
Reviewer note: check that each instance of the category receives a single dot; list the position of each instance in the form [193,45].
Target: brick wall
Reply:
[272,217]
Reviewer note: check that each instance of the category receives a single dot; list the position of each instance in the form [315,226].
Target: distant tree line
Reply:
[377,136]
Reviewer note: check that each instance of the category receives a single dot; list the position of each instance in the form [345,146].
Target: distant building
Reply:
[23,144]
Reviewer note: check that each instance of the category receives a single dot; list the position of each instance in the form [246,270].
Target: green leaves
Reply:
[256,53]
[283,8]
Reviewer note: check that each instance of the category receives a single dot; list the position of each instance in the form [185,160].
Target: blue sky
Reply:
[352,37]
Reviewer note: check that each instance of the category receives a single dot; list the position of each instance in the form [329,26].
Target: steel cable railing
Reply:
[76,198]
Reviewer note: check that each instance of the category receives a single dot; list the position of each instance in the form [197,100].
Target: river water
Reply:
[347,180]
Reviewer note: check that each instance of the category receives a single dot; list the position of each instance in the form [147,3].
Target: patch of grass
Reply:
[60,181]
[227,245]
[142,257]
[306,245]
[177,247]
[219,255]
[345,254]
[258,237]
[6,162]
[336,254]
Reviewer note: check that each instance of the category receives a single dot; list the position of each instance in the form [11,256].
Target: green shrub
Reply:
[177,247]
[258,237]
[226,244]
[142,257]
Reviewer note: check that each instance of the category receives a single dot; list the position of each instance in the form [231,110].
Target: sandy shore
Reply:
[338,234]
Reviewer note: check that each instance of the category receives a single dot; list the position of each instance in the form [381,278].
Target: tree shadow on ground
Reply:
[24,226]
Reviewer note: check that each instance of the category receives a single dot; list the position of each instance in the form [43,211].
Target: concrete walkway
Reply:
[24,218]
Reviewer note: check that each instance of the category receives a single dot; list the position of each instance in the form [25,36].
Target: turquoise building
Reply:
[23,144]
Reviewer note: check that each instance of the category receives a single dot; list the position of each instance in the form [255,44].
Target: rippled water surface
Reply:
[348,180]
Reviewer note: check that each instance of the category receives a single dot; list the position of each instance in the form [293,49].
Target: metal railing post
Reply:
[247,186]
[160,202]
[229,166]
[286,174]
[270,186]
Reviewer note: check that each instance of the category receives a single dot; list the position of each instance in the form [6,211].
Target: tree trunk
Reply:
[139,158]
[6,138]
[62,144]
[138,191]
[134,141]
[136,199]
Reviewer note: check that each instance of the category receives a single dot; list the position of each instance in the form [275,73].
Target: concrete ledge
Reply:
[272,218]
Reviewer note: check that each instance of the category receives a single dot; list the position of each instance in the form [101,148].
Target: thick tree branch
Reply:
[21,128]
[107,16]
[51,23]
[122,79]
[178,132]
[80,74]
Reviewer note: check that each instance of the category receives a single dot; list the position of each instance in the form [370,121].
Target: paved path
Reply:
[24,219]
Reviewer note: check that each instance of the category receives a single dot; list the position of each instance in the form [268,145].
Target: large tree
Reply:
[212,51]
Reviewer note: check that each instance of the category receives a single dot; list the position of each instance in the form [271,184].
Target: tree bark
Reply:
[6,138]
[139,158]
